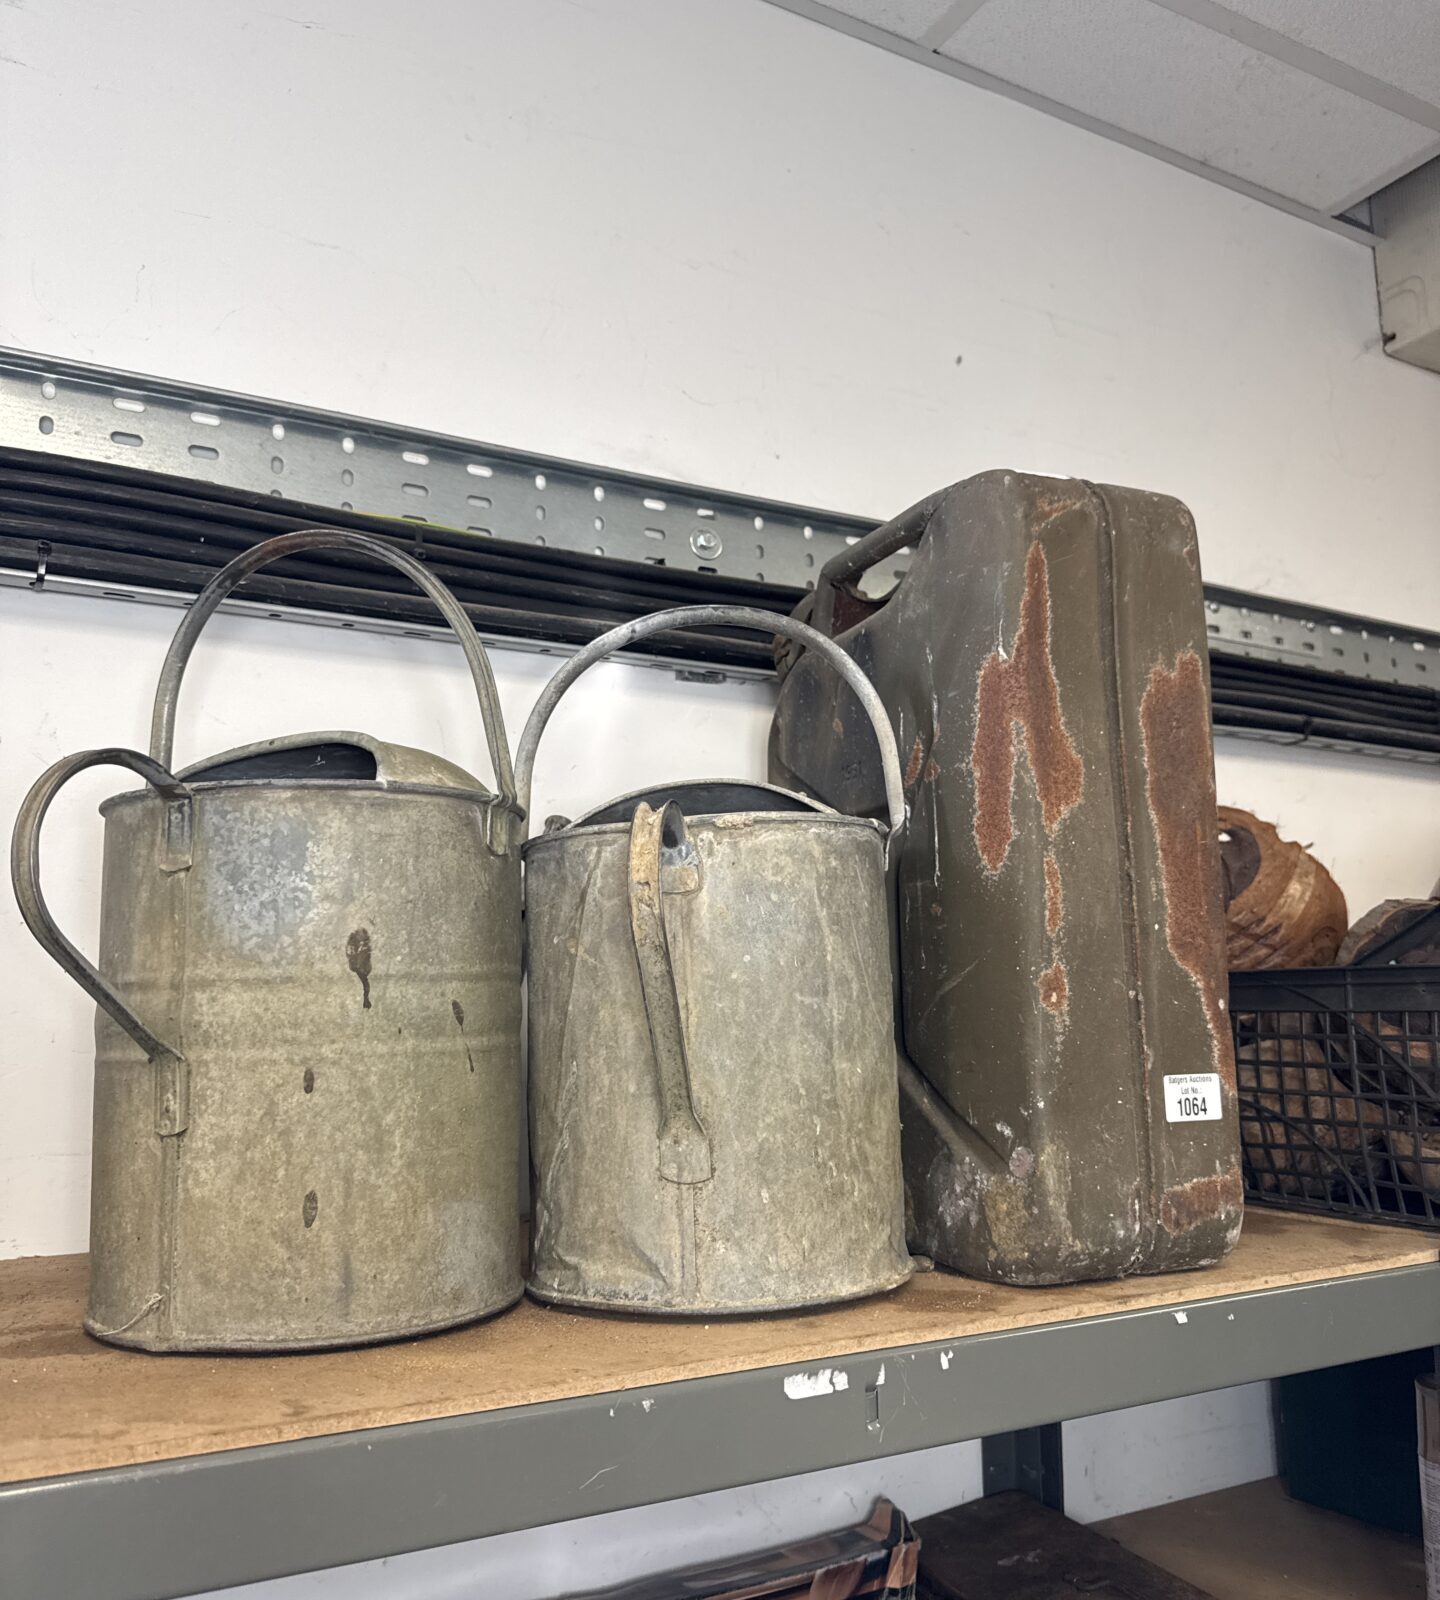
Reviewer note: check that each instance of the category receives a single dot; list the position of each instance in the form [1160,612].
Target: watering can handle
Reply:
[25,874]
[162,724]
[727,617]
[684,1153]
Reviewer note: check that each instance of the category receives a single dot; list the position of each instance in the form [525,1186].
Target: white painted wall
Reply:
[704,239]
[1150,1455]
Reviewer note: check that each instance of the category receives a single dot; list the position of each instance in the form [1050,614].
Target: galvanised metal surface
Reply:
[376,467]
[176,1527]
[307,1052]
[1061,954]
[1262,629]
[270,447]
[713,1108]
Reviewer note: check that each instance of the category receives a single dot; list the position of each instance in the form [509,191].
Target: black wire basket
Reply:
[1338,1071]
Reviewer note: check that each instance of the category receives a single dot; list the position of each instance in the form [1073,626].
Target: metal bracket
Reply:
[172,1094]
[1030,1459]
[177,835]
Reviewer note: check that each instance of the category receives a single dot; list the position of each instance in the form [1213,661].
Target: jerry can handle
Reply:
[167,691]
[843,568]
[727,617]
[887,540]
[684,1154]
[25,874]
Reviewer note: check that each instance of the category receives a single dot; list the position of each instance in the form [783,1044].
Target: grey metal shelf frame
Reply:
[200,1522]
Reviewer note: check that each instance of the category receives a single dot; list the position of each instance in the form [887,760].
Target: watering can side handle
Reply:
[167,691]
[25,875]
[684,1154]
[728,617]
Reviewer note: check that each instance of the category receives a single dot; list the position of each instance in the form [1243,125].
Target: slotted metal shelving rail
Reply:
[568,548]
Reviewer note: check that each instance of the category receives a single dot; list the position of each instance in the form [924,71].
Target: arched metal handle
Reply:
[684,1154]
[887,540]
[726,617]
[842,571]
[25,874]
[167,691]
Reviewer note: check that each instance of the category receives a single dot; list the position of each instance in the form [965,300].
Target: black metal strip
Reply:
[101,522]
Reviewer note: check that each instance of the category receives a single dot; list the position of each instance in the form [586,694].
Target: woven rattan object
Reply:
[1282,908]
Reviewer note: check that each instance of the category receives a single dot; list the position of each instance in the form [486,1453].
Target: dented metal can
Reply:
[713,1105]
[306,1112]
[1068,1085]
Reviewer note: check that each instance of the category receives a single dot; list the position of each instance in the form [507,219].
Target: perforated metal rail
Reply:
[505,498]
[355,464]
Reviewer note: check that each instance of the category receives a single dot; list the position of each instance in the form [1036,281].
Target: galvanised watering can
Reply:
[713,1104]
[306,1125]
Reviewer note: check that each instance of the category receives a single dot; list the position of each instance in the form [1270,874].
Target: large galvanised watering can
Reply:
[308,1039]
[713,1103]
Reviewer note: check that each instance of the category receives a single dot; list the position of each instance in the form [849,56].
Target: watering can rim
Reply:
[811,810]
[399,768]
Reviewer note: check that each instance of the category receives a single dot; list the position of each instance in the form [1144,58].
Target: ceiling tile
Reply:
[1397,41]
[1152,73]
[908,18]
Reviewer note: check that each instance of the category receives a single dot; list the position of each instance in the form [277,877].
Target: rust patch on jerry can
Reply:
[1054,895]
[1022,689]
[1180,792]
[1054,989]
[1188,1205]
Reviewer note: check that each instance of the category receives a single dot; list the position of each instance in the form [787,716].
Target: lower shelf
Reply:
[130,1475]
[1255,1543]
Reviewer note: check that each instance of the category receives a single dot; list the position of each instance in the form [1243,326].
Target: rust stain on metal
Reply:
[1054,987]
[932,770]
[357,953]
[1201,1200]
[1022,689]
[311,1209]
[1048,507]
[916,761]
[1180,792]
[1054,895]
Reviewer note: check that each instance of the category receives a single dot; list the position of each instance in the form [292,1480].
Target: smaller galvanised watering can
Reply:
[308,1045]
[714,1121]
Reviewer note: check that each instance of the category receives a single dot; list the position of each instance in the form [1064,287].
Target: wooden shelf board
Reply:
[70,1404]
[1253,1542]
